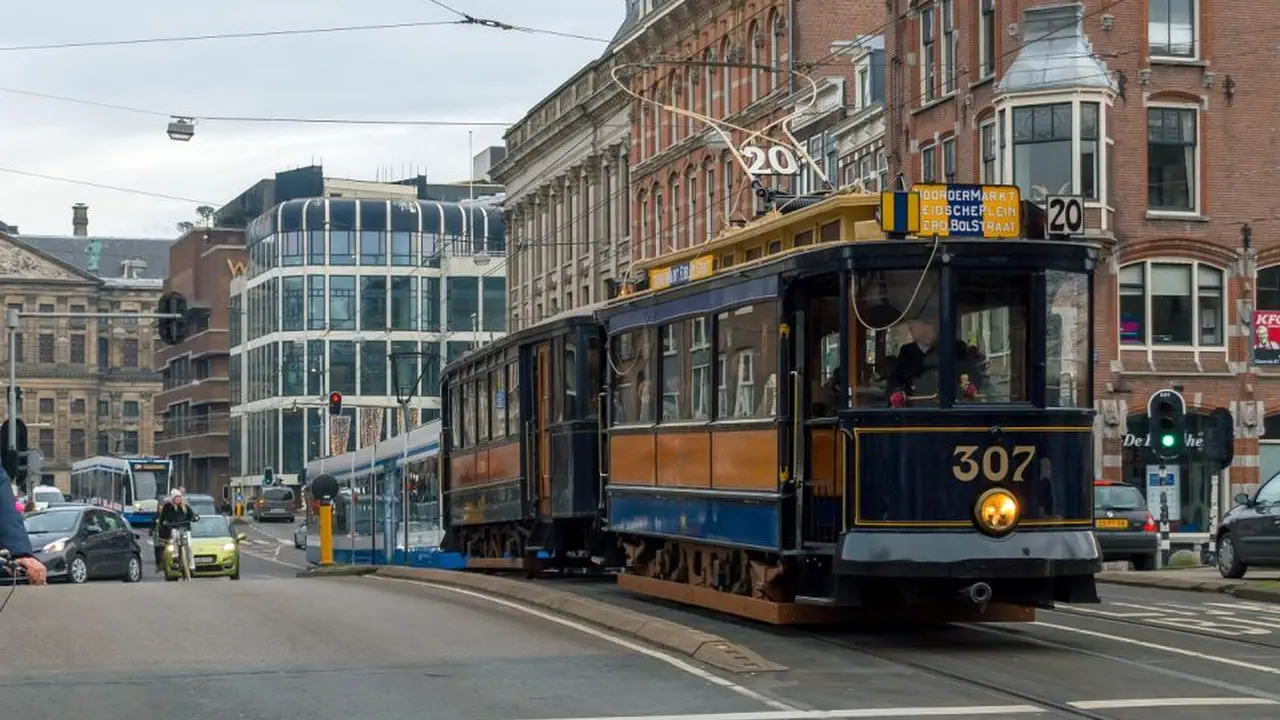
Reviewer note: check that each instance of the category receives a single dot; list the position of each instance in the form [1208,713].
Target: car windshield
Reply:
[51,522]
[210,527]
[1118,497]
[278,495]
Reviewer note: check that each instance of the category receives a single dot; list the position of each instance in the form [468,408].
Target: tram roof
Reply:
[584,314]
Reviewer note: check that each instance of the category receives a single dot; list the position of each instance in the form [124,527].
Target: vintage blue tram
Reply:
[806,418]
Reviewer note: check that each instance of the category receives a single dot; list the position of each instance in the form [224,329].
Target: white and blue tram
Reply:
[389,502]
[131,485]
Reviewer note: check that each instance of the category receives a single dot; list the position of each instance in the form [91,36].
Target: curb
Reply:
[704,647]
[1236,588]
[338,571]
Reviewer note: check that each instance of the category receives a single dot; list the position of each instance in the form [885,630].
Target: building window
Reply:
[494,295]
[928,164]
[708,82]
[77,349]
[462,302]
[710,209]
[46,442]
[342,302]
[342,367]
[77,406]
[342,247]
[729,168]
[1042,152]
[726,81]
[130,352]
[46,347]
[402,251]
[315,302]
[431,304]
[404,303]
[752,32]
[291,249]
[990,166]
[131,410]
[929,58]
[131,445]
[291,308]
[1171,28]
[373,367]
[691,185]
[948,47]
[1171,304]
[949,160]
[373,247]
[986,38]
[46,405]
[77,443]
[373,303]
[1171,159]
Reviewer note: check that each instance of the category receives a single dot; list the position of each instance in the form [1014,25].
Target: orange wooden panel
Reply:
[684,459]
[504,462]
[462,470]
[822,461]
[632,459]
[745,460]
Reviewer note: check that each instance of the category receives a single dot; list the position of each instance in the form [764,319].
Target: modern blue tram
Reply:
[131,484]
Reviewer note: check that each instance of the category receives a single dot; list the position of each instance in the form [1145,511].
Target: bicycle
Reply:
[8,564]
[182,550]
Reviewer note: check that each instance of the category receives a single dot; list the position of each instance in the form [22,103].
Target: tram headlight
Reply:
[997,511]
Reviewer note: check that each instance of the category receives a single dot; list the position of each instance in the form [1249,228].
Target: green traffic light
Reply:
[1167,440]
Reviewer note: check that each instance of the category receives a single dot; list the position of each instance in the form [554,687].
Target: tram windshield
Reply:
[897,337]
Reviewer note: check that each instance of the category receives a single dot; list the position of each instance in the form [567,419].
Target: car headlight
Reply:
[229,547]
[56,546]
[171,547]
[996,511]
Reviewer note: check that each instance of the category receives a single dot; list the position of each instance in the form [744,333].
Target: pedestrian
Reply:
[13,534]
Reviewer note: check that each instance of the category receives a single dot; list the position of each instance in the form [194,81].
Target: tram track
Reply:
[1147,625]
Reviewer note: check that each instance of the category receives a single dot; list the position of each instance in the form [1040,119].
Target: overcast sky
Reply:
[426,73]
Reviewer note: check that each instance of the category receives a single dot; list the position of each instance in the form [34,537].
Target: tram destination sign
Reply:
[985,211]
[680,273]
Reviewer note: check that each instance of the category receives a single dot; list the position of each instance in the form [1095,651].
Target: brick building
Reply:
[195,402]
[1092,99]
[704,56]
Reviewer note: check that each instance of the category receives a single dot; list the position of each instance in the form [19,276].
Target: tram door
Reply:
[542,388]
[822,390]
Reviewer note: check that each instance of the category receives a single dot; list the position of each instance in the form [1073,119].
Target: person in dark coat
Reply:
[14,537]
[918,364]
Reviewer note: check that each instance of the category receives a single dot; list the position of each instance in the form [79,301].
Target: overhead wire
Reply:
[229,36]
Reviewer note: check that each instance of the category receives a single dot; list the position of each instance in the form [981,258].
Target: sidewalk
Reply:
[1258,585]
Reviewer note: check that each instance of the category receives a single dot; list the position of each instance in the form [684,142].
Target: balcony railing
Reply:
[195,426]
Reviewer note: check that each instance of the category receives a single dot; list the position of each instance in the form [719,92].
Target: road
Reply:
[276,646]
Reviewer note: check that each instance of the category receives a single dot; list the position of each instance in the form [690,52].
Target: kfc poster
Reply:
[1266,337]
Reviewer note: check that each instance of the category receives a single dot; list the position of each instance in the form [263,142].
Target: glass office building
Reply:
[334,287]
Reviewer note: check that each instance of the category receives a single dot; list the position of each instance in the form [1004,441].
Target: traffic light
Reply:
[172,330]
[1219,438]
[335,403]
[14,459]
[1167,424]
[268,477]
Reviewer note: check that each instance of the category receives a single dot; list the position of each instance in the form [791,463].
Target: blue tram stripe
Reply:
[717,520]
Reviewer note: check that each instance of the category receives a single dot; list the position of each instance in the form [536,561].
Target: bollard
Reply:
[1164,528]
[326,533]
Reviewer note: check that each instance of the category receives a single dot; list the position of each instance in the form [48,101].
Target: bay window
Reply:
[1177,304]
[1056,149]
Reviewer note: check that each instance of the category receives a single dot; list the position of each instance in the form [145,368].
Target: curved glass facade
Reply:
[333,287]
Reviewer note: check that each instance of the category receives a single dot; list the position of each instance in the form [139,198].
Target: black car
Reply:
[1124,527]
[83,542]
[1249,534]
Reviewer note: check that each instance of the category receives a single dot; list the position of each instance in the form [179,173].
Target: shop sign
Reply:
[237,267]
[1193,440]
[1266,338]
[695,269]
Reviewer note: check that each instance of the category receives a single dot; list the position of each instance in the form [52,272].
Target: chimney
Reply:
[80,220]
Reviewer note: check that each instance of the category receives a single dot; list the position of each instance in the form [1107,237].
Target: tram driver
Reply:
[915,374]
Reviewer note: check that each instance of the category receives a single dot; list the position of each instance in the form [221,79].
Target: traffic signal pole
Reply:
[12,321]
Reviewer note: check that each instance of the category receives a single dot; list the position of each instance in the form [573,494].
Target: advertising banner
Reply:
[1266,337]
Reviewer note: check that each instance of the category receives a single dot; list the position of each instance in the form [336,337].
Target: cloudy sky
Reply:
[421,73]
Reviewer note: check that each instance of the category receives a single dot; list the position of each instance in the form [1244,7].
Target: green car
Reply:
[214,547]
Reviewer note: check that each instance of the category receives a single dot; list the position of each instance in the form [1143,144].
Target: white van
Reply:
[45,494]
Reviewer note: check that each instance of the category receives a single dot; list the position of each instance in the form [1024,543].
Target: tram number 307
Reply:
[993,464]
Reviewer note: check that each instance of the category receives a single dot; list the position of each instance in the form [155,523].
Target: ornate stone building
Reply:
[566,174]
[87,385]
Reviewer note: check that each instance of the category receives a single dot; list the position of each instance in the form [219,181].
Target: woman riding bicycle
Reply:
[175,512]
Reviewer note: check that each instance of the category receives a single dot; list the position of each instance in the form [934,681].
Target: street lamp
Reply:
[181,129]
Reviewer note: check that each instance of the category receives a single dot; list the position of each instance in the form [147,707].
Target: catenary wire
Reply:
[230,36]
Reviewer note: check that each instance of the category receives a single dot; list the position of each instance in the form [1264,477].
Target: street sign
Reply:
[984,211]
[1065,214]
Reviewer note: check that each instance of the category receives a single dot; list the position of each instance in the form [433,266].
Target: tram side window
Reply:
[747,362]
[567,408]
[468,414]
[629,361]
[686,370]
[497,385]
[993,337]
[455,415]
[482,403]
[823,368]
[895,330]
[593,376]
[513,398]
[1067,342]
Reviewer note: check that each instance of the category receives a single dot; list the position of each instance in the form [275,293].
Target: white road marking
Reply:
[1168,702]
[899,712]
[637,648]
[1216,618]
[1164,648]
[277,561]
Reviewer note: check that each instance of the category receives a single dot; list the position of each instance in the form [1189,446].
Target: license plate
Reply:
[1113,524]
[205,559]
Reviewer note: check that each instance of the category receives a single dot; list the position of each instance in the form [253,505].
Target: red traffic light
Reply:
[335,403]
[335,397]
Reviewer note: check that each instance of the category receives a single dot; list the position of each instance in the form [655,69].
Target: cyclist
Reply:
[175,512]
[13,535]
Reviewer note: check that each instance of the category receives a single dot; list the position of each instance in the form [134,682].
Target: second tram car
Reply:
[803,418]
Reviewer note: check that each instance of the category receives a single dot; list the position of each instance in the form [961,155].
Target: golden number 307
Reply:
[992,464]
